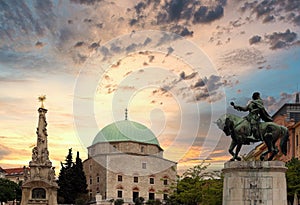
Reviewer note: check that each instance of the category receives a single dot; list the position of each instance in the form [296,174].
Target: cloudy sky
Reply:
[175,64]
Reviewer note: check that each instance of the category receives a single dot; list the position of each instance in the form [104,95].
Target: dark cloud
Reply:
[254,39]
[199,83]
[183,76]
[79,44]
[175,15]
[279,40]
[104,50]
[132,47]
[139,7]
[79,58]
[22,20]
[269,18]
[147,41]
[181,30]
[268,10]
[39,44]
[205,14]
[115,48]
[297,20]
[151,58]
[94,45]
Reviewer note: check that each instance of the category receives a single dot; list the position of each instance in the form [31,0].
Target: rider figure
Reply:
[256,112]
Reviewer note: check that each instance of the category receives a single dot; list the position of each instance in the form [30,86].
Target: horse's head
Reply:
[225,124]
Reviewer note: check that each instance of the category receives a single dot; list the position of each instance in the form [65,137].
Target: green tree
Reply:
[139,201]
[198,186]
[293,178]
[119,201]
[8,190]
[72,181]
[80,182]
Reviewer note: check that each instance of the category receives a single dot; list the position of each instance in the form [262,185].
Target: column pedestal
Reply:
[254,183]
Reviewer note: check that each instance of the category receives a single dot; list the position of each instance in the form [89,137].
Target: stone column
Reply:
[254,183]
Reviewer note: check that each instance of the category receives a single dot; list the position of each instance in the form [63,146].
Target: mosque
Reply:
[125,161]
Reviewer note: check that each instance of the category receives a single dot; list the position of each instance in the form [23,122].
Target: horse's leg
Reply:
[268,140]
[275,151]
[231,148]
[237,150]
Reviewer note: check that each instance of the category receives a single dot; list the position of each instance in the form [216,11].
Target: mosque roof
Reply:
[126,130]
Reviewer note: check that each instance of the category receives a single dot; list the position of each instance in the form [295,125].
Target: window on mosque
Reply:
[38,193]
[120,178]
[165,182]
[144,165]
[119,194]
[151,180]
[151,196]
[135,179]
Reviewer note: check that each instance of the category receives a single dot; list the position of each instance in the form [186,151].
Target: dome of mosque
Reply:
[126,130]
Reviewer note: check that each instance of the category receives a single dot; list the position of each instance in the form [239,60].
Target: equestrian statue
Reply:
[250,129]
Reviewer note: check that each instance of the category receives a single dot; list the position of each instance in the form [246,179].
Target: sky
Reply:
[175,64]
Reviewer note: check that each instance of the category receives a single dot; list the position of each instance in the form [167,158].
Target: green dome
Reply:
[126,130]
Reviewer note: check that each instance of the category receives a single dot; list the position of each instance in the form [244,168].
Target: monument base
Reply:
[254,183]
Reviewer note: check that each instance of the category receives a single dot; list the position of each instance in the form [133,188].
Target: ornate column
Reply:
[39,185]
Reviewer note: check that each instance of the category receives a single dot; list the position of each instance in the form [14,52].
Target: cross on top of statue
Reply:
[42,98]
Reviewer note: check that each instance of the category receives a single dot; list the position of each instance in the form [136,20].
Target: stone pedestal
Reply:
[254,183]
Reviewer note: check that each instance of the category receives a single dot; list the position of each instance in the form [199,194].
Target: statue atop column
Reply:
[40,167]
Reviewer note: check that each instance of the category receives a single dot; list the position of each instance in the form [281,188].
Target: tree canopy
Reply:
[198,186]
[293,178]
[71,181]
[9,190]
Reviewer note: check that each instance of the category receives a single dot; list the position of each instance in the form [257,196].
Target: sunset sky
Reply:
[175,64]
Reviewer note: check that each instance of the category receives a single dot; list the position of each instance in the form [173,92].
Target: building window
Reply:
[151,196]
[135,195]
[120,178]
[142,148]
[120,194]
[165,182]
[151,180]
[91,180]
[135,179]
[91,167]
[165,197]
[144,165]
[98,178]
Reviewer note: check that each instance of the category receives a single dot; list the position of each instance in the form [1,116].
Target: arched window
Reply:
[38,193]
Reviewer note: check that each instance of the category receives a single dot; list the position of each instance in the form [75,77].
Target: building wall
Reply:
[96,176]
[297,140]
[107,163]
[125,147]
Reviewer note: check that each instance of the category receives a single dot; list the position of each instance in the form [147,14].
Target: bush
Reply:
[119,202]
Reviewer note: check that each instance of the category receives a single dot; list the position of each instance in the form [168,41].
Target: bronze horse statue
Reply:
[239,129]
